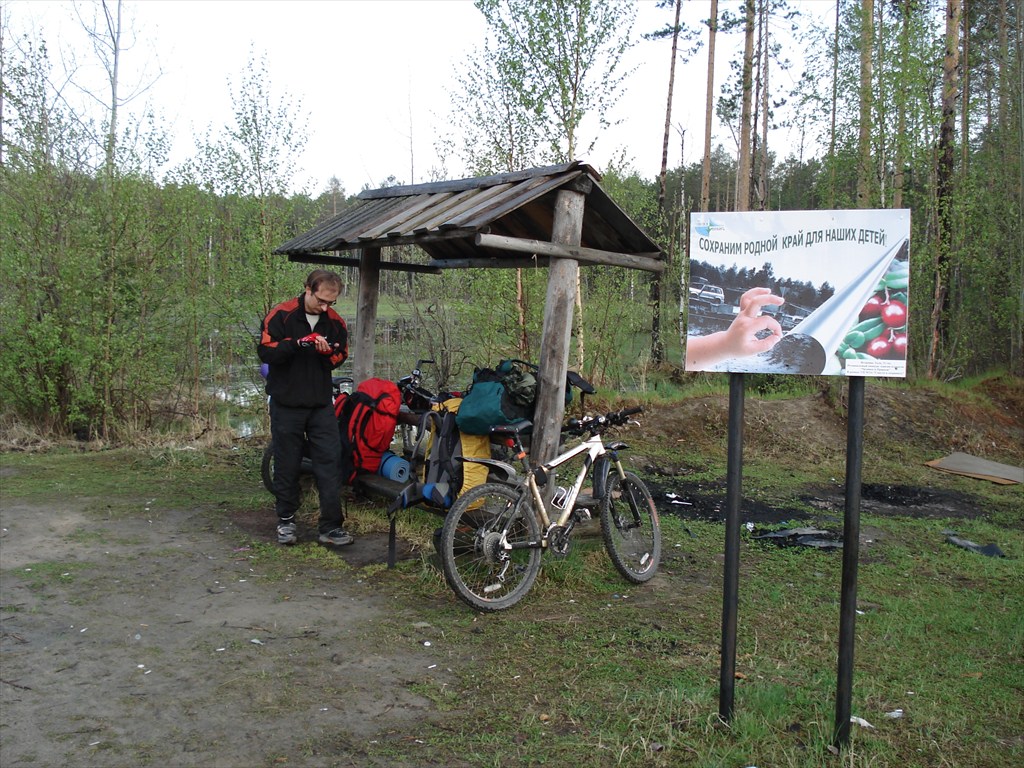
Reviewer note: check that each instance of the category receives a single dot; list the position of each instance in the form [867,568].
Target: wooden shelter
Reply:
[557,216]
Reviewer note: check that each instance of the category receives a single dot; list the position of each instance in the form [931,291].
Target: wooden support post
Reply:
[366,314]
[558,312]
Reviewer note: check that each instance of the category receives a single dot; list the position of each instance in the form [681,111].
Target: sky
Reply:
[373,78]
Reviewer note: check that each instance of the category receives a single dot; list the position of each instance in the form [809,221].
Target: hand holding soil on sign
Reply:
[750,333]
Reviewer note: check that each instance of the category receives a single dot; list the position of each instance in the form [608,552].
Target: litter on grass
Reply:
[805,537]
[982,469]
[989,550]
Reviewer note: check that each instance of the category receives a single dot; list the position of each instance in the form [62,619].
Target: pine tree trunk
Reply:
[705,177]
[762,173]
[944,188]
[866,98]
[965,98]
[744,165]
[901,112]
[657,346]
[832,122]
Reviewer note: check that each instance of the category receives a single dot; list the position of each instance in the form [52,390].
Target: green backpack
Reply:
[497,397]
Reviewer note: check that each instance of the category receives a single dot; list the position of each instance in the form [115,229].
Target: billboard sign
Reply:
[799,292]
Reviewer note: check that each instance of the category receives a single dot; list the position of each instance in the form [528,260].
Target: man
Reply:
[303,340]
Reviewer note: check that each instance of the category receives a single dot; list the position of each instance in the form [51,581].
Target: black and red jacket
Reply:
[300,377]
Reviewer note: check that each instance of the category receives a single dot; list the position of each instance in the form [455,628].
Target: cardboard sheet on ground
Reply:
[983,469]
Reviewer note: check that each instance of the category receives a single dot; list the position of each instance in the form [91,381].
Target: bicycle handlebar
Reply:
[598,424]
[414,394]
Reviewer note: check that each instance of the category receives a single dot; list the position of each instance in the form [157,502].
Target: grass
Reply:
[43,574]
[129,481]
[634,682]
[590,670]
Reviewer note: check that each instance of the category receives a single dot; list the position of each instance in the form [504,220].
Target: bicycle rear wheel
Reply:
[267,469]
[629,524]
[484,552]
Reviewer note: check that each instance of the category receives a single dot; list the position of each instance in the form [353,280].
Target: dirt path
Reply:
[157,642]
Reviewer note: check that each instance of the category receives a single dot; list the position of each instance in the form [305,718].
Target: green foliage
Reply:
[548,71]
[125,301]
[128,300]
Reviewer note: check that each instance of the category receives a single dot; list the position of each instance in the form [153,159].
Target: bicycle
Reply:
[495,534]
[416,400]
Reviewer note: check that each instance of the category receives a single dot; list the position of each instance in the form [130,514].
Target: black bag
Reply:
[440,477]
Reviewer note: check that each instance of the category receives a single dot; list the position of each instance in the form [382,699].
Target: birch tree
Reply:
[677,33]
[551,74]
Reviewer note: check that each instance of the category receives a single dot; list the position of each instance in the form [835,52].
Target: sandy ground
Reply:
[160,644]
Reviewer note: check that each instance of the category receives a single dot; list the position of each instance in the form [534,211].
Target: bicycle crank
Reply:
[559,539]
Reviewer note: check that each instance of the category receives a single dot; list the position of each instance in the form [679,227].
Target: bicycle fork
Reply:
[632,519]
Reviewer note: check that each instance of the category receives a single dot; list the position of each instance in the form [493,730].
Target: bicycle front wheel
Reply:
[490,550]
[629,524]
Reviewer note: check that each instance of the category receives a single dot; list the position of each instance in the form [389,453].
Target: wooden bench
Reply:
[373,485]
[376,486]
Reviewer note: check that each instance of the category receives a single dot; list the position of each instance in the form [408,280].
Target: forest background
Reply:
[131,297]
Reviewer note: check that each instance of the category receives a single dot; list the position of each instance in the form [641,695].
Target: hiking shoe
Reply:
[286,533]
[336,537]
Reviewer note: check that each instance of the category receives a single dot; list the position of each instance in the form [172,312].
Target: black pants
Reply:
[291,429]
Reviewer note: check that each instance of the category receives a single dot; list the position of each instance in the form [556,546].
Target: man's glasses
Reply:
[322,302]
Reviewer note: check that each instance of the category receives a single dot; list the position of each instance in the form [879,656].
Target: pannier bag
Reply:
[443,476]
[497,397]
[366,423]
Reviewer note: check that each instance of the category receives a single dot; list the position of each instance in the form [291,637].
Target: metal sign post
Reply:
[730,590]
[851,551]
[833,303]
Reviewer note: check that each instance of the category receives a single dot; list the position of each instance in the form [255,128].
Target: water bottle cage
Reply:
[560,497]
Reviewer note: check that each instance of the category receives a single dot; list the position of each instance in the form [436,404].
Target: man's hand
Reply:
[316,341]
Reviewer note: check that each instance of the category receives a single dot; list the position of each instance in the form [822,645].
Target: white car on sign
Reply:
[707,292]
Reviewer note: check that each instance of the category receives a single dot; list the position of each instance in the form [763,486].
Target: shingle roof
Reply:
[444,218]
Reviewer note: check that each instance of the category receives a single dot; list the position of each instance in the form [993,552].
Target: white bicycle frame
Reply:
[593,446]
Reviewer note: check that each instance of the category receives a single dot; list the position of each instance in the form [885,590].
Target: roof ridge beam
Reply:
[459,185]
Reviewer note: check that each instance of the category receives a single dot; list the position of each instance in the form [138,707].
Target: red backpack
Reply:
[366,423]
